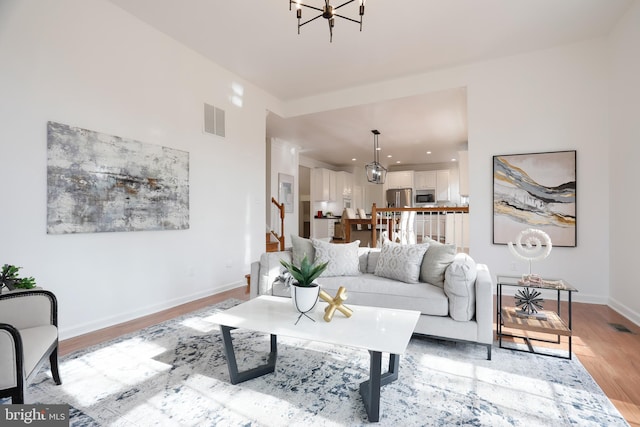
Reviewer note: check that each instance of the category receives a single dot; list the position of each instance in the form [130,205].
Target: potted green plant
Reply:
[9,278]
[304,292]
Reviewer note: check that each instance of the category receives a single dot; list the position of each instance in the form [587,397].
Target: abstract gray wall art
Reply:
[102,183]
[536,190]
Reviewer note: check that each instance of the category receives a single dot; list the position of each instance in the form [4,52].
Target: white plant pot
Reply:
[304,298]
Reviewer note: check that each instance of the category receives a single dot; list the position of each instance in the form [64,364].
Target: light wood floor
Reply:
[612,357]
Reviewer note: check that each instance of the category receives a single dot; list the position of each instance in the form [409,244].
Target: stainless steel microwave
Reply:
[425,196]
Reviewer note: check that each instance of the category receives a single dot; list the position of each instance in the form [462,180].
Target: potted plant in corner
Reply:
[304,292]
[9,278]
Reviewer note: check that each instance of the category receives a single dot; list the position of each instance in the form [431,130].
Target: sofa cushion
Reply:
[400,262]
[459,285]
[376,291]
[435,262]
[343,258]
[301,247]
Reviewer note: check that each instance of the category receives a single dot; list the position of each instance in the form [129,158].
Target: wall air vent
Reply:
[214,120]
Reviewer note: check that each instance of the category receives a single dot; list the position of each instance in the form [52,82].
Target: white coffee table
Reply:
[377,330]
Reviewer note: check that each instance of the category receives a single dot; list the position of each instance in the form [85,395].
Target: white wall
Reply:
[549,100]
[545,101]
[624,158]
[89,64]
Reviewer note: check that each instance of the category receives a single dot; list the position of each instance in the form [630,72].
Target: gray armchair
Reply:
[28,336]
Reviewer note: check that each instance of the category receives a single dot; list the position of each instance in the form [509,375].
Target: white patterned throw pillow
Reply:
[343,258]
[400,262]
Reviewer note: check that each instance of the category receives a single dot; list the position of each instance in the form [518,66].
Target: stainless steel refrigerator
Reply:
[399,198]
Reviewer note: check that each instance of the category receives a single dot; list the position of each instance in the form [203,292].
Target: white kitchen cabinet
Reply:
[324,228]
[324,182]
[399,179]
[344,184]
[425,180]
[442,185]
[438,180]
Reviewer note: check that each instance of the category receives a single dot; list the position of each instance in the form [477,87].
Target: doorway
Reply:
[304,197]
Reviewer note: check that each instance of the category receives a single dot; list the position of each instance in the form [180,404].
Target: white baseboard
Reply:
[94,325]
[624,311]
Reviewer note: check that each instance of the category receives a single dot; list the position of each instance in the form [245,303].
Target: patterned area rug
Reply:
[175,373]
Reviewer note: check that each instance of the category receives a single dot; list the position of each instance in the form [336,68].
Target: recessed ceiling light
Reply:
[389,156]
[428,152]
[354,159]
[397,161]
[453,160]
[378,149]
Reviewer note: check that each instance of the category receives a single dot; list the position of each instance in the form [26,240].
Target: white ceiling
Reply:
[409,127]
[258,41]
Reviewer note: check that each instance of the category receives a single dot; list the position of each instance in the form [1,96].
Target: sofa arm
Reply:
[254,280]
[484,304]
[266,271]
[29,308]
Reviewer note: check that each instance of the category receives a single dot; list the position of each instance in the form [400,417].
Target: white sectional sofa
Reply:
[453,293]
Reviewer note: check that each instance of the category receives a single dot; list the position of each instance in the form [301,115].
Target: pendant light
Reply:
[376,173]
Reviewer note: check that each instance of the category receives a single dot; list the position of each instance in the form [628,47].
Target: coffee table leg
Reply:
[370,389]
[238,377]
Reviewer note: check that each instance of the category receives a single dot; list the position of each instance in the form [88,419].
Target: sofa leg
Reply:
[489,351]
[53,361]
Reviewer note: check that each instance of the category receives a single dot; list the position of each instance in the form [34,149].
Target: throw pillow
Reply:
[363,259]
[372,261]
[435,262]
[460,287]
[343,258]
[400,262]
[300,248]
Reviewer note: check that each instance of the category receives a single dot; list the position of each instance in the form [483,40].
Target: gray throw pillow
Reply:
[372,261]
[435,262]
[300,248]
[343,258]
[400,262]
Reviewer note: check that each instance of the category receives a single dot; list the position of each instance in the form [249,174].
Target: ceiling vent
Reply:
[214,120]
